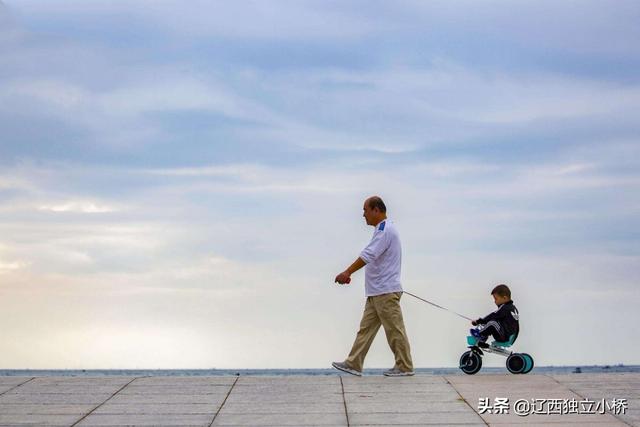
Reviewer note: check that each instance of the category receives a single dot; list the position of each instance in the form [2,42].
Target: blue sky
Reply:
[181,181]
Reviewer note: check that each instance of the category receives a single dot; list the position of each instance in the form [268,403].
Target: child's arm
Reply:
[499,314]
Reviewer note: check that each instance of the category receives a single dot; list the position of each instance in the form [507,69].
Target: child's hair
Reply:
[501,290]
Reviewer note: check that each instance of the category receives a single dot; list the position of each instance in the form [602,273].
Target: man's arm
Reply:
[376,247]
[345,277]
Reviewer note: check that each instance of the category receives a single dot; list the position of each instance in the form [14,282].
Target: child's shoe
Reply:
[476,334]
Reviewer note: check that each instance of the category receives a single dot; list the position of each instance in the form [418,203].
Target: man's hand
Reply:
[343,278]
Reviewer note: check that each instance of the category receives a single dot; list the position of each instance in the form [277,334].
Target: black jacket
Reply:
[507,316]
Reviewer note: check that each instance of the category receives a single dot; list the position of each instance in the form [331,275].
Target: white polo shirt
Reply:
[383,256]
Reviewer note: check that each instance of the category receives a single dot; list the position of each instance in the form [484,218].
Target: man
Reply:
[382,258]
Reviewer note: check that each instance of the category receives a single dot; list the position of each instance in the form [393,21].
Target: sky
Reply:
[180,182]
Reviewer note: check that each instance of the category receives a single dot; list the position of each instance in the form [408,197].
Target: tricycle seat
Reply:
[505,344]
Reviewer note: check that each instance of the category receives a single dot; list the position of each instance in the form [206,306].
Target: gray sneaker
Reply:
[345,368]
[395,372]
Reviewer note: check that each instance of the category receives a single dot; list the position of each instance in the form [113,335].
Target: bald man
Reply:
[382,260]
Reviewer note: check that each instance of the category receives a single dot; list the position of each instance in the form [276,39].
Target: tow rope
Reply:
[436,305]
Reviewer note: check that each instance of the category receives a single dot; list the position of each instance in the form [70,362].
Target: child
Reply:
[503,322]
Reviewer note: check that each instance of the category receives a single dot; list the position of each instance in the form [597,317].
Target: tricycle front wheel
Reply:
[470,362]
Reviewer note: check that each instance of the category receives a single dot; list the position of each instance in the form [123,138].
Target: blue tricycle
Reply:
[471,360]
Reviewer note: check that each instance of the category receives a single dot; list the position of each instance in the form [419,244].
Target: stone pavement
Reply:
[422,400]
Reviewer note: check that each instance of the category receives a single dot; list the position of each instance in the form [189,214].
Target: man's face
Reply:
[370,215]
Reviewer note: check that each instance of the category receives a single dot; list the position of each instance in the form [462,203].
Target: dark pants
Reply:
[494,329]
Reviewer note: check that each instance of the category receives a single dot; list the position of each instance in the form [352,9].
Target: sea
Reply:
[317,372]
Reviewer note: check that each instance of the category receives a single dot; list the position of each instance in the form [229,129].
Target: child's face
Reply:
[499,299]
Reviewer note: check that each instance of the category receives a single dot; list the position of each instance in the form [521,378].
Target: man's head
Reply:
[374,210]
[501,294]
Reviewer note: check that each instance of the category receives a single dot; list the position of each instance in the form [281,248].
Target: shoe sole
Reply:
[347,370]
[404,374]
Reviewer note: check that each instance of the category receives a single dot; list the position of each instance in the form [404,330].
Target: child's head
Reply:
[501,294]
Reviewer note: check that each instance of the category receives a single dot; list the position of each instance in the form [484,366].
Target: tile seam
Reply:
[15,387]
[344,401]
[109,398]
[465,401]
[224,401]
[583,397]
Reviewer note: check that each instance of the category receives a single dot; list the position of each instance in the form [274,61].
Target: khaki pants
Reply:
[382,310]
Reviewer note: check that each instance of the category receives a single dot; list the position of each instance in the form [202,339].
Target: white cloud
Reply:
[236,252]
[11,266]
[51,93]
[254,178]
[247,171]
[173,93]
[199,18]
[538,25]
[198,272]
[14,183]
[451,91]
[78,206]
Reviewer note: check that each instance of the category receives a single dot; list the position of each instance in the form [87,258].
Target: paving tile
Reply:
[575,420]
[12,383]
[397,388]
[306,400]
[527,387]
[283,408]
[482,424]
[212,399]
[38,420]
[393,381]
[13,380]
[189,381]
[182,420]
[280,419]
[175,389]
[563,423]
[395,398]
[103,381]
[33,388]
[285,397]
[302,379]
[385,418]
[608,386]
[158,408]
[288,389]
[6,388]
[51,409]
[53,398]
[409,407]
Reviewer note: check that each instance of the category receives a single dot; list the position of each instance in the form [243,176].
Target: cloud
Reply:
[248,19]
[171,167]
[201,258]
[5,17]
[168,94]
[151,106]
[11,266]
[54,94]
[537,24]
[77,206]
[447,93]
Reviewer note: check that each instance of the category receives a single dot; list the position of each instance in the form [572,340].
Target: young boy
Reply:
[503,322]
